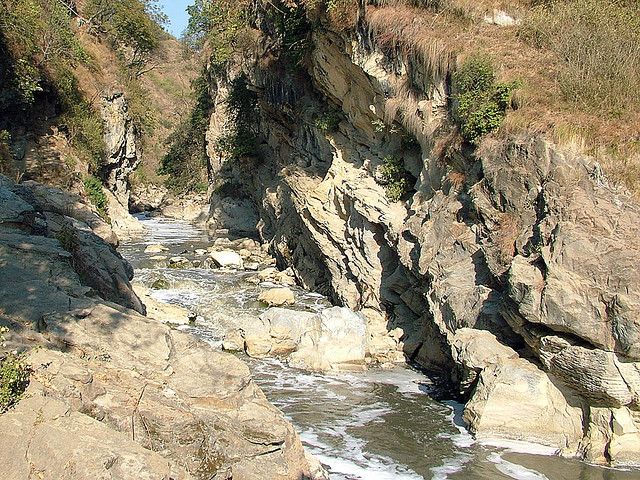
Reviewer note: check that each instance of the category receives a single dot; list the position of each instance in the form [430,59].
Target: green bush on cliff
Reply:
[93,189]
[329,122]
[480,102]
[395,178]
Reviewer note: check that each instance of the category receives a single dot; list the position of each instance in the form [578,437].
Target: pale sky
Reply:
[176,10]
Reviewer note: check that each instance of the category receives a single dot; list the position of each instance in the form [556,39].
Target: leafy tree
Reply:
[132,24]
[216,22]
[185,161]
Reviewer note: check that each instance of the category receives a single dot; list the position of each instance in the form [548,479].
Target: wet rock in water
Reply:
[227,259]
[515,396]
[331,340]
[164,312]
[201,252]
[180,262]
[272,274]
[160,284]
[252,267]
[233,341]
[337,341]
[157,248]
[276,332]
[277,297]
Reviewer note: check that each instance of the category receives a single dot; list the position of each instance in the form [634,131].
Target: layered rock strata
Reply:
[517,239]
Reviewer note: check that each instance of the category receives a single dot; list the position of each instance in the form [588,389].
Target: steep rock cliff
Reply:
[517,239]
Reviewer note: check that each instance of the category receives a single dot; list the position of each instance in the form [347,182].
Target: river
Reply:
[376,425]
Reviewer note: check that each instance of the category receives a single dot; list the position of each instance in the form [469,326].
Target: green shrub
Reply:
[480,103]
[329,122]
[93,189]
[395,178]
[598,45]
[134,24]
[294,29]
[14,379]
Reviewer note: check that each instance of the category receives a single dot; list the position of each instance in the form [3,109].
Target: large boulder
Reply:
[227,259]
[336,341]
[514,399]
[277,332]
[277,297]
[473,351]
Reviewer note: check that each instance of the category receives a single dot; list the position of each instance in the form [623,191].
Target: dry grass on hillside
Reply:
[581,78]
[164,92]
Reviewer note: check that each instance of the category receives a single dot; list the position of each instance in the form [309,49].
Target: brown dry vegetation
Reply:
[583,95]
[162,95]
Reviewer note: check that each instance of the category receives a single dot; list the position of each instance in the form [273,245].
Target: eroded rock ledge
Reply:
[113,393]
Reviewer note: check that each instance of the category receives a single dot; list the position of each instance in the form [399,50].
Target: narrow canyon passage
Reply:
[378,424]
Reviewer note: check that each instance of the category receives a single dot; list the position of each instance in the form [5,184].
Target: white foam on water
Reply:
[179,297]
[513,470]
[450,466]
[463,439]
[517,446]
[338,467]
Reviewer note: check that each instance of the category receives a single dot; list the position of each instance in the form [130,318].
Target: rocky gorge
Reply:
[112,393]
[510,269]
[360,291]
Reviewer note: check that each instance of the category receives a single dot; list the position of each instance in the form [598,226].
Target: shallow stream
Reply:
[376,425]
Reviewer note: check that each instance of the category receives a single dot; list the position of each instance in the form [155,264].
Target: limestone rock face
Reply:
[120,137]
[67,444]
[475,350]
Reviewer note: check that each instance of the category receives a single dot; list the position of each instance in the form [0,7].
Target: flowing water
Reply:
[376,425]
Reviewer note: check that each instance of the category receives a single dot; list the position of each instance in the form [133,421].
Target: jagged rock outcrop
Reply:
[47,230]
[121,141]
[518,239]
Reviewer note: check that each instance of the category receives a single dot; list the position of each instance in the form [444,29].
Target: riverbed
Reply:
[374,425]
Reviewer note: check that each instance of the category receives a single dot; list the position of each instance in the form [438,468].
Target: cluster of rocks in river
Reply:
[112,393]
[333,339]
